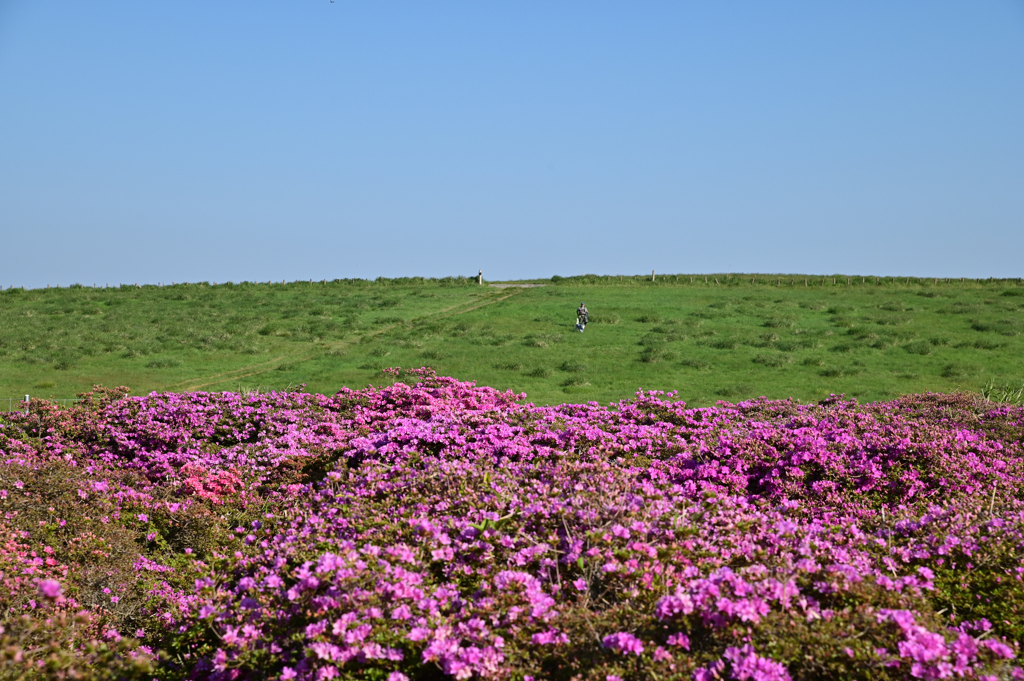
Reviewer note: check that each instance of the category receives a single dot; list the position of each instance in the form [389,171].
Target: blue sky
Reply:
[216,141]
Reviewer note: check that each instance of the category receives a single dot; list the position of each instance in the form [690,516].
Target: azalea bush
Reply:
[435,529]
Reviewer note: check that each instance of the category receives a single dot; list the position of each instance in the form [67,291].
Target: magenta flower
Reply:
[681,640]
[50,588]
[999,648]
[746,664]
[623,642]
[549,638]
[448,527]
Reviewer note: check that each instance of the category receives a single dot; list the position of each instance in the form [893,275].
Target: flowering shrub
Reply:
[53,641]
[444,530]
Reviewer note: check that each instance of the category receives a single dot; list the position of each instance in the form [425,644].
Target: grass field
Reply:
[711,338]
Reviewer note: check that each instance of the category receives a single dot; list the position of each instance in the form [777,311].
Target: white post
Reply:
[652,275]
[480,277]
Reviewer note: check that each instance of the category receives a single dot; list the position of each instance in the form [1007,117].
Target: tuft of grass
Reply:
[737,390]
[1005,327]
[1004,394]
[535,342]
[773,360]
[65,361]
[957,370]
[724,344]
[653,355]
[919,347]
[572,366]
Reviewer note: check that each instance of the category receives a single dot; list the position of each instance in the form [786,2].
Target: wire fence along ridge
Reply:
[18,403]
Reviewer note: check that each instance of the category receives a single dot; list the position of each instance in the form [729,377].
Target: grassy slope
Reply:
[780,337]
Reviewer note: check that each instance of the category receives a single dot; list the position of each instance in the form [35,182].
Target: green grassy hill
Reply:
[718,337]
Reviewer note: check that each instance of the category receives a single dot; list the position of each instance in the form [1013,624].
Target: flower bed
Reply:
[445,530]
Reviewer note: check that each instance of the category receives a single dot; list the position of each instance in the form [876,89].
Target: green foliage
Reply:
[1004,393]
[706,336]
[57,644]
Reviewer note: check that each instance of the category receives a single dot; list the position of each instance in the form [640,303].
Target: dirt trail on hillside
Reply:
[263,367]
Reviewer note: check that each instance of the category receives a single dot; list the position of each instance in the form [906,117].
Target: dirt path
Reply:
[258,368]
[517,285]
[489,302]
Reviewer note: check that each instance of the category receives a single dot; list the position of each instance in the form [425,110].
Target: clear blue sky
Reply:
[217,141]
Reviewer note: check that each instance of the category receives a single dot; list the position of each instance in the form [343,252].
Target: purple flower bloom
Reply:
[746,664]
[999,648]
[50,588]
[681,640]
[550,637]
[459,527]
[623,642]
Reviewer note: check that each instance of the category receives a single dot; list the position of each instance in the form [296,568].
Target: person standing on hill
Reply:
[582,317]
